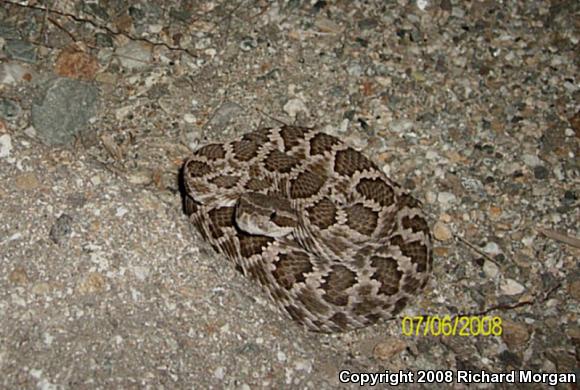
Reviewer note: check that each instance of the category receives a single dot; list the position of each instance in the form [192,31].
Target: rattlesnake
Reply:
[333,241]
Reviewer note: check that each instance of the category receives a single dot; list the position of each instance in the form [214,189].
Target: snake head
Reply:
[267,215]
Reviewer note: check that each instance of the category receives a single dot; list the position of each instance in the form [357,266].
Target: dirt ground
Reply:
[473,106]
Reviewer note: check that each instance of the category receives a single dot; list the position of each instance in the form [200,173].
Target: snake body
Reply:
[334,242]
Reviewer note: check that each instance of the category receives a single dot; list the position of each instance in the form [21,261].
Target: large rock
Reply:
[64,109]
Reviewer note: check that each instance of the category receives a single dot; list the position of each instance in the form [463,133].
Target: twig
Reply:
[60,27]
[554,235]
[475,249]
[503,307]
[97,25]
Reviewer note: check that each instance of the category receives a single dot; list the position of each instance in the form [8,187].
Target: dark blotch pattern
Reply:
[361,219]
[349,161]
[400,305]
[410,284]
[306,184]
[310,301]
[225,181]
[291,136]
[377,190]
[322,214]
[286,277]
[220,218]
[336,283]
[197,168]
[415,250]
[321,143]
[257,184]
[366,305]
[290,269]
[386,273]
[340,320]
[256,272]
[212,151]
[245,150]
[416,223]
[280,162]
[258,137]
[296,313]
[190,205]
[251,245]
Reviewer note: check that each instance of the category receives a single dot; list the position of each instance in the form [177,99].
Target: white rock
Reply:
[5,145]
[511,287]
[401,125]
[121,211]
[492,248]
[135,55]
[422,4]
[30,131]
[219,373]
[155,28]
[490,269]
[121,113]
[303,365]
[281,356]
[431,197]
[294,106]
[189,118]
[445,199]
[431,155]
[12,73]
[531,161]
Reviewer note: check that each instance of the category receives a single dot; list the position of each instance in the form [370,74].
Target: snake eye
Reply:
[273,215]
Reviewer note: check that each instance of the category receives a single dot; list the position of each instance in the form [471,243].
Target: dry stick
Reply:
[97,25]
[504,307]
[60,27]
[475,249]
[554,235]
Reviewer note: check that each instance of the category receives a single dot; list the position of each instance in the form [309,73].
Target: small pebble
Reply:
[574,289]
[135,55]
[27,181]
[93,283]
[442,232]
[490,269]
[13,73]
[511,287]
[422,4]
[18,276]
[540,172]
[20,50]
[430,197]
[514,334]
[281,356]
[531,160]
[61,229]
[189,118]
[219,373]
[492,248]
[388,349]
[5,145]
[401,126]
[224,113]
[294,106]
[446,198]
